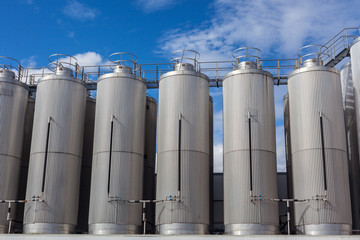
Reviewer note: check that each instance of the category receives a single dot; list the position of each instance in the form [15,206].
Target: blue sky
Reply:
[151,29]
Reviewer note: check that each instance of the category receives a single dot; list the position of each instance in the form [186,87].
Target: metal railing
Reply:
[340,42]
[13,65]
[215,70]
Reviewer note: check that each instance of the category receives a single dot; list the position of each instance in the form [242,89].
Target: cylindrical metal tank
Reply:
[118,157]
[13,103]
[348,94]
[288,160]
[55,157]
[85,178]
[149,162]
[318,150]
[250,180]
[183,152]
[29,117]
[211,165]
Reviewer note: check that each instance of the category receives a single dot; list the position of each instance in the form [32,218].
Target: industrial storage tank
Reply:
[85,178]
[211,164]
[318,148]
[55,157]
[118,156]
[183,149]
[25,157]
[250,181]
[349,106]
[13,103]
[149,162]
[288,161]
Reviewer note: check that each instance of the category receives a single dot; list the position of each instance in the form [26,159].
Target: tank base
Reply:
[111,228]
[49,228]
[250,229]
[4,229]
[324,229]
[182,229]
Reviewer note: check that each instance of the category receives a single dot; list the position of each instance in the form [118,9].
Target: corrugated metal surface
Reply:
[29,118]
[149,161]
[85,179]
[123,96]
[288,160]
[13,102]
[313,90]
[62,98]
[183,92]
[352,141]
[249,91]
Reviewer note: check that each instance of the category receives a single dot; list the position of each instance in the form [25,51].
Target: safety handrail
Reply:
[252,54]
[186,56]
[341,41]
[123,59]
[13,65]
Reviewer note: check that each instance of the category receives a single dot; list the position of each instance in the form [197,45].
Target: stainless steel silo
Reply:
[13,103]
[211,165]
[85,178]
[118,156]
[250,180]
[149,162]
[288,161]
[183,151]
[29,118]
[55,157]
[348,94]
[318,150]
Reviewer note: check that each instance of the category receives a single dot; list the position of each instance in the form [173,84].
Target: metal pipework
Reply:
[179,158]
[45,156]
[8,215]
[144,219]
[323,150]
[110,151]
[250,157]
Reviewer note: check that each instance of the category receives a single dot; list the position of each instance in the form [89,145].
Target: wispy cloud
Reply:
[32,5]
[155,5]
[83,59]
[275,26]
[280,149]
[89,59]
[29,62]
[79,11]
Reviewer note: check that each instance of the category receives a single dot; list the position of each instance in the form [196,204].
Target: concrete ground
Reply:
[155,237]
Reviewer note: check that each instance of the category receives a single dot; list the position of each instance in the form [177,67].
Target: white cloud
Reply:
[83,59]
[218,141]
[89,59]
[218,158]
[71,34]
[29,62]
[275,26]
[218,122]
[79,11]
[280,149]
[155,5]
